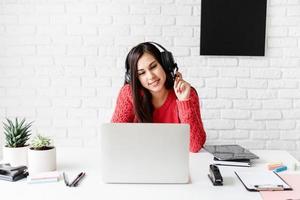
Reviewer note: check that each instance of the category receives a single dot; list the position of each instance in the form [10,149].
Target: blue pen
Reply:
[280,169]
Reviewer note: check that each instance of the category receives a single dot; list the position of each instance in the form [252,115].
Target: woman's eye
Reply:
[141,73]
[153,66]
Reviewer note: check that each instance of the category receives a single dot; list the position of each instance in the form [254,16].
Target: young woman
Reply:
[152,94]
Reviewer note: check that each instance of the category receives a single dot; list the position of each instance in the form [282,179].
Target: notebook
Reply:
[261,180]
[44,177]
[236,163]
[230,152]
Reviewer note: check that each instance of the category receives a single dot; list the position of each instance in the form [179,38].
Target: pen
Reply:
[80,178]
[65,179]
[77,179]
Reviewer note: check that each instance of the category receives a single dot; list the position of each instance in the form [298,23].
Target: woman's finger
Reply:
[181,86]
[177,79]
[178,74]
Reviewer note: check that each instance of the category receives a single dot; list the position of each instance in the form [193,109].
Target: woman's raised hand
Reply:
[181,87]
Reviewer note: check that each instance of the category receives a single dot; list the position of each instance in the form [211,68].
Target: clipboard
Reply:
[292,180]
[261,180]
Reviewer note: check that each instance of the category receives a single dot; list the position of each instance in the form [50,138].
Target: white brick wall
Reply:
[61,65]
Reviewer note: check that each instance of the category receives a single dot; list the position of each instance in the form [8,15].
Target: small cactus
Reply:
[40,142]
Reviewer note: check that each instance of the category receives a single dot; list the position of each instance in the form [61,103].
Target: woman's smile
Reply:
[154,83]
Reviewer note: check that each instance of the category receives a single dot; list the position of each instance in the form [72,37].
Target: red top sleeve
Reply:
[124,111]
[189,112]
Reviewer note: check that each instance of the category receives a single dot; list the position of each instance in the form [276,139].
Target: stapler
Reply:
[215,175]
[9,173]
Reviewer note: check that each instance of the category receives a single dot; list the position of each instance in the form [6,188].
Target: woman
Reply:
[151,93]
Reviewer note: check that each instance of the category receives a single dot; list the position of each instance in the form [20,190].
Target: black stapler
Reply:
[9,173]
[215,175]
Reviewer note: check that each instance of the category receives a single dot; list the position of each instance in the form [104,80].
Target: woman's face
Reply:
[150,73]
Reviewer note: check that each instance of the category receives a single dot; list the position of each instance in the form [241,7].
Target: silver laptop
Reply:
[145,153]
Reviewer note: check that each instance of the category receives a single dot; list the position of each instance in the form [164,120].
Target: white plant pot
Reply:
[41,160]
[15,156]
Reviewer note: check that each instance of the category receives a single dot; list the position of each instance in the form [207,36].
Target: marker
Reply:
[272,166]
[280,169]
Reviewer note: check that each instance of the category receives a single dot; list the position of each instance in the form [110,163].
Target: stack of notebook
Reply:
[9,173]
[238,163]
[44,177]
[231,155]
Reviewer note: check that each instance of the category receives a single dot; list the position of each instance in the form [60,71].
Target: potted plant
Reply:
[41,155]
[16,135]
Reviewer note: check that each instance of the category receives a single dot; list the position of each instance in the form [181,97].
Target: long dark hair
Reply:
[142,98]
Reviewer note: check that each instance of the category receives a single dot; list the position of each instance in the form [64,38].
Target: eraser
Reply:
[280,169]
[272,166]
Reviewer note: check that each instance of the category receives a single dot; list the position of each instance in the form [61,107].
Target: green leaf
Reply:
[17,133]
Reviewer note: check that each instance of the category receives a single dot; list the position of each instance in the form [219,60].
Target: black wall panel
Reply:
[233,27]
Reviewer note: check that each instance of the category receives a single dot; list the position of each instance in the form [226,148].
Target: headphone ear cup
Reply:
[168,62]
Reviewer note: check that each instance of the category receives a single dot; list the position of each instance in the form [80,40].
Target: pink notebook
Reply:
[293,180]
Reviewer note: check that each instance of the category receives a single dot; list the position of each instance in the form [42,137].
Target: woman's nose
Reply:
[150,75]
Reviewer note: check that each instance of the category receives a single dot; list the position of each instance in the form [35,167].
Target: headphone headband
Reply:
[163,48]
[167,59]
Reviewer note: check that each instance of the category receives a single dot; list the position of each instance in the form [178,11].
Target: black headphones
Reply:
[167,59]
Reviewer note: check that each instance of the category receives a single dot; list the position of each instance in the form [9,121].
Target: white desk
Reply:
[74,160]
